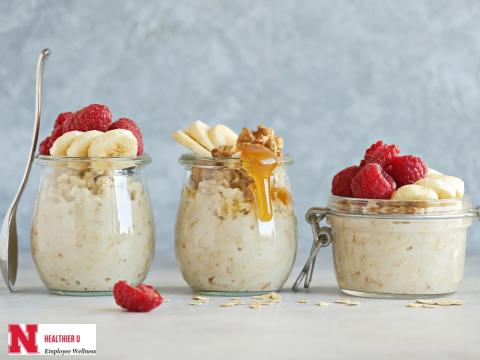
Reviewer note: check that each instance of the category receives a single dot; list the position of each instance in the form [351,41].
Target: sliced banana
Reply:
[114,143]
[61,145]
[198,131]
[222,135]
[185,140]
[432,173]
[414,192]
[443,189]
[457,183]
[80,145]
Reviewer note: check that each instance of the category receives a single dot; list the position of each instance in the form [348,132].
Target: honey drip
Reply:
[259,162]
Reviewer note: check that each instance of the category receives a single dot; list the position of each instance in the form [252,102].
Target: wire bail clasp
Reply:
[322,237]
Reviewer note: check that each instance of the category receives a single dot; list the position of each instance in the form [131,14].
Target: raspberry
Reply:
[142,298]
[45,146]
[62,118]
[127,124]
[380,153]
[92,117]
[341,182]
[372,182]
[406,169]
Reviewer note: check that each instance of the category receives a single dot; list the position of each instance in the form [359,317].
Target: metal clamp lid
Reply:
[322,237]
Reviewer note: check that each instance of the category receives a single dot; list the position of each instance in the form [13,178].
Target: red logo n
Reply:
[28,339]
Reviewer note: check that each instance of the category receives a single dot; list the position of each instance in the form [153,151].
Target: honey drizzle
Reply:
[259,162]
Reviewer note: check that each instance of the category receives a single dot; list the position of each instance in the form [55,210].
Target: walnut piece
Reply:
[263,136]
[224,151]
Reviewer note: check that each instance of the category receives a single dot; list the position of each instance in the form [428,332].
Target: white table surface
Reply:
[377,329]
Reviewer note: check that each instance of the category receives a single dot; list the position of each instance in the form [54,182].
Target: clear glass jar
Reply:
[221,245]
[93,224]
[385,248]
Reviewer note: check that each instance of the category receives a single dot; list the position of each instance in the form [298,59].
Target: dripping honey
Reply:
[260,162]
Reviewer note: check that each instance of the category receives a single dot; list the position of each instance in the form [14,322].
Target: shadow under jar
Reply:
[221,244]
[93,224]
[398,249]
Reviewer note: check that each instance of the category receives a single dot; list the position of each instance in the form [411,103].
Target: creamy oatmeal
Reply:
[222,246]
[91,228]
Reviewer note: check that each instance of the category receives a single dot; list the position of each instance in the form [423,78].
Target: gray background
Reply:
[330,76]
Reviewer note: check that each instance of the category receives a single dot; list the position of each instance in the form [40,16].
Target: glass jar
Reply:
[385,248]
[93,224]
[221,244]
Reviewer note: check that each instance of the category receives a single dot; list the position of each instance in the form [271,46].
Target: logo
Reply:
[52,339]
[27,338]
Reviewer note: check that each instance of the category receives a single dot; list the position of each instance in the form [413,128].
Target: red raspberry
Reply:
[127,124]
[372,182]
[341,182]
[92,117]
[142,298]
[62,118]
[406,169]
[45,146]
[380,153]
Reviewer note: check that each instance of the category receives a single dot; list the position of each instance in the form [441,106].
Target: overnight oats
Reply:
[236,227]
[397,228]
[93,223]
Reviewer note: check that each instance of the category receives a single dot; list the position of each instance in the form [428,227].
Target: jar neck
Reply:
[400,209]
[104,163]
[191,160]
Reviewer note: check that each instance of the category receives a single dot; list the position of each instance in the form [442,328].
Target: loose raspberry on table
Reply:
[127,124]
[372,182]
[92,117]
[142,298]
[406,169]
[342,181]
[380,153]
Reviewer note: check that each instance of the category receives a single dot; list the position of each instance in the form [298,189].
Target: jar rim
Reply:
[116,162]
[386,208]
[194,160]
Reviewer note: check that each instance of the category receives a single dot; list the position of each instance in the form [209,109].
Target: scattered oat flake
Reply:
[414,305]
[347,302]
[440,302]
[239,302]
[255,306]
[196,303]
[228,304]
[270,296]
[302,301]
[200,298]
[322,303]
[428,306]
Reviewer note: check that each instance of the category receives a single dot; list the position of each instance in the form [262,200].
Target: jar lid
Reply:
[192,160]
[376,208]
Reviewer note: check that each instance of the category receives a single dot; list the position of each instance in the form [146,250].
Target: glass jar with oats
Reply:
[93,224]
[236,226]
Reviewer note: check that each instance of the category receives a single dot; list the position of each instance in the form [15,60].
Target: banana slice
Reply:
[432,173]
[79,146]
[114,143]
[414,192]
[222,135]
[457,183]
[442,188]
[183,139]
[61,145]
[198,131]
